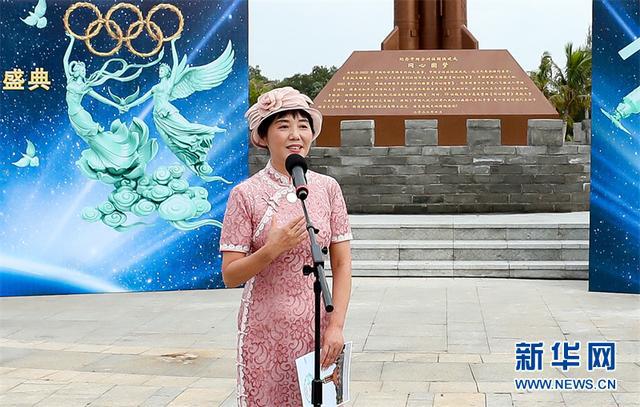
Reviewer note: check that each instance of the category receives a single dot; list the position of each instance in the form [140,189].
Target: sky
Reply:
[292,36]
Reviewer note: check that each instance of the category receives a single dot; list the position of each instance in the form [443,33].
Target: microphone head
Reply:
[295,160]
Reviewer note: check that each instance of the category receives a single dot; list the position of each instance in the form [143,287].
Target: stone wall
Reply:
[481,177]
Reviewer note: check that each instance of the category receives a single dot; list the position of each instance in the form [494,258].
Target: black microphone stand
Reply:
[319,286]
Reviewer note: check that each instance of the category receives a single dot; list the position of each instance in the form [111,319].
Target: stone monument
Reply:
[430,68]
[431,124]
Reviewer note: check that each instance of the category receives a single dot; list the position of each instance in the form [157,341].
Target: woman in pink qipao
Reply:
[265,245]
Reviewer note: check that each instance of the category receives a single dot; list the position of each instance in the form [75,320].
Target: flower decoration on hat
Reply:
[279,100]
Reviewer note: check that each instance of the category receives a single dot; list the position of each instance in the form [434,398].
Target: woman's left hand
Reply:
[332,344]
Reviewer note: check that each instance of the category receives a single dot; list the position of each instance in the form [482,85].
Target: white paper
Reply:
[335,390]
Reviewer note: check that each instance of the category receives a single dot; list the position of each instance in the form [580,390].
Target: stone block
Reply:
[488,160]
[391,189]
[455,160]
[540,188]
[440,189]
[586,128]
[378,170]
[562,150]
[362,161]
[460,198]
[348,189]
[395,199]
[576,187]
[518,179]
[439,150]
[473,188]
[578,133]
[362,199]
[357,133]
[553,159]
[483,132]
[531,150]
[340,171]
[351,138]
[421,137]
[586,177]
[499,150]
[580,196]
[569,169]
[441,169]
[522,159]
[545,132]
[474,169]
[409,169]
[493,198]
[506,169]
[419,199]
[355,180]
[342,151]
[357,125]
[483,123]
[391,160]
[457,179]
[422,159]
[326,161]
[510,188]
[458,150]
[377,208]
[389,179]
[441,208]
[584,150]
[416,150]
[549,179]
[488,179]
[421,124]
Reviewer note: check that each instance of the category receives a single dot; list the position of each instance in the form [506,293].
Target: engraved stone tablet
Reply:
[452,86]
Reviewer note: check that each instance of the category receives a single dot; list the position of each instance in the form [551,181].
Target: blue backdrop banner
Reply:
[614,251]
[122,134]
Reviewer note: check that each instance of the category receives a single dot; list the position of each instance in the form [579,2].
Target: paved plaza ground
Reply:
[417,342]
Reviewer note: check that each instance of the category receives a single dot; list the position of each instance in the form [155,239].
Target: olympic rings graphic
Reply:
[115,31]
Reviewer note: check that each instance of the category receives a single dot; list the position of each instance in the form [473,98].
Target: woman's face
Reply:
[163,71]
[80,71]
[289,134]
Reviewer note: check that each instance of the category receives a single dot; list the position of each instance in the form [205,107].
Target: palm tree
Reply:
[568,89]
[572,95]
[543,77]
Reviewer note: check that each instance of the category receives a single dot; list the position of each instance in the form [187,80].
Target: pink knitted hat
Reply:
[278,100]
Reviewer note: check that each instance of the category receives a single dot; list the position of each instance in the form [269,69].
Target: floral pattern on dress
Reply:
[275,320]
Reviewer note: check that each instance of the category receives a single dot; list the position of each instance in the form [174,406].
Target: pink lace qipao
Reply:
[275,321]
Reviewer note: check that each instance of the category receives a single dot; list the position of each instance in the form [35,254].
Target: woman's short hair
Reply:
[264,126]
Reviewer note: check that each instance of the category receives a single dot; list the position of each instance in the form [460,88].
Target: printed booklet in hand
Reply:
[335,378]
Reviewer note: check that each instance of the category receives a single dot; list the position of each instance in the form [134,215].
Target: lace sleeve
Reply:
[340,227]
[237,226]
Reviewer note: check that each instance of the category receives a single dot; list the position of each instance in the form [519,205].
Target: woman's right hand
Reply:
[284,238]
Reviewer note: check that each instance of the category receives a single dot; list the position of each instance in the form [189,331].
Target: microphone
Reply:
[296,166]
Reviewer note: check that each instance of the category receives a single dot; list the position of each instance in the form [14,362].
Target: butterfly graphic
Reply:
[29,158]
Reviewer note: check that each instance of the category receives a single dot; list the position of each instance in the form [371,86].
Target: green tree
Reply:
[543,76]
[572,96]
[312,83]
[569,88]
[258,84]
